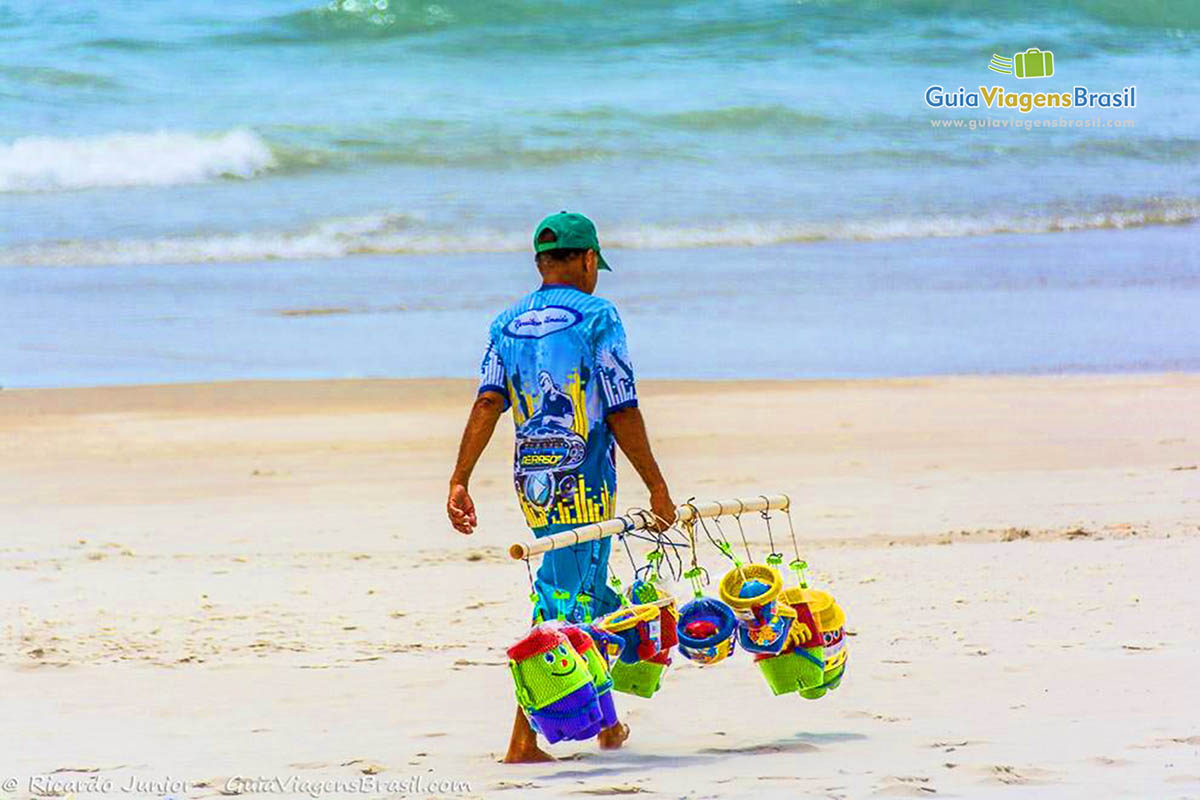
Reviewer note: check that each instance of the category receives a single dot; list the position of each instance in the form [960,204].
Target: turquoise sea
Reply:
[287,188]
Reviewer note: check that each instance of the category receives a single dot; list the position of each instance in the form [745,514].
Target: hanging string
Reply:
[664,537]
[721,544]
[725,547]
[721,532]
[653,538]
[654,557]
[695,573]
[738,519]
[659,554]
[614,581]
[533,595]
[798,565]
[628,552]
[775,558]
[690,526]
[661,540]
[665,549]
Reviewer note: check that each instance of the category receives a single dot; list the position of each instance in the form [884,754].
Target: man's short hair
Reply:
[558,255]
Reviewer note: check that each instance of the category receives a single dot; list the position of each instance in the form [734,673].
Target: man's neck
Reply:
[553,281]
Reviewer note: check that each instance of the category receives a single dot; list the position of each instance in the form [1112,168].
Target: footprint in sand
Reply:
[1013,776]
[1181,740]
[1187,779]
[909,786]
[877,717]
[609,791]
[759,749]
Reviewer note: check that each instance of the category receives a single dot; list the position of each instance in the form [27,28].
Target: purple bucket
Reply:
[576,716]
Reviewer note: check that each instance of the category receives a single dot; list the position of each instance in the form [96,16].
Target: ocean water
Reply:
[201,190]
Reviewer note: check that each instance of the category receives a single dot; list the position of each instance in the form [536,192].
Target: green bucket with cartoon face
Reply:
[545,668]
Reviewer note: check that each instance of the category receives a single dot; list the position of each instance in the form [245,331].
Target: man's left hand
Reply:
[460,508]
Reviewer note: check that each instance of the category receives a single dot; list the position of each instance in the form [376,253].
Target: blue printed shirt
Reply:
[559,358]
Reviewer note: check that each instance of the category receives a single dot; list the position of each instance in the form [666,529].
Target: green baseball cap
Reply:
[572,231]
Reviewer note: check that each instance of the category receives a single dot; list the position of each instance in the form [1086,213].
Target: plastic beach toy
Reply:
[608,644]
[648,632]
[638,627]
[554,686]
[814,660]
[642,678]
[706,630]
[647,592]
[763,624]
[582,641]
[646,629]
[831,622]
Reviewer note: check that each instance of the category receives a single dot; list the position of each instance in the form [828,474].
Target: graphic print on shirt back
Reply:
[559,358]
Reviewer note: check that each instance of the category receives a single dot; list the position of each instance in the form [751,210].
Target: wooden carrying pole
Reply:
[640,520]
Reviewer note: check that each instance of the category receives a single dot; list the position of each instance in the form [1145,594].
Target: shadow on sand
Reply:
[619,762]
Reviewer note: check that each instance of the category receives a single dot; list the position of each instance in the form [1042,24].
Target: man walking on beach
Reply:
[558,358]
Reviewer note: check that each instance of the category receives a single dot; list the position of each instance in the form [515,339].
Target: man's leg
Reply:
[522,747]
[606,600]
[569,570]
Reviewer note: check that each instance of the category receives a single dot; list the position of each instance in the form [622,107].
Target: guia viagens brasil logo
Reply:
[1032,63]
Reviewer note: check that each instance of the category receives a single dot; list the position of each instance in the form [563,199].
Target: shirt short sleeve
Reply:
[492,376]
[612,362]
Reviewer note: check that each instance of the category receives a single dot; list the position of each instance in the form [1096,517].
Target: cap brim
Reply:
[601,263]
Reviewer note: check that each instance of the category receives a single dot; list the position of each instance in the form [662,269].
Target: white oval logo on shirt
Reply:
[538,322]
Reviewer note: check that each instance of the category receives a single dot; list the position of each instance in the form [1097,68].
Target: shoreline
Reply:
[237,391]
[989,306]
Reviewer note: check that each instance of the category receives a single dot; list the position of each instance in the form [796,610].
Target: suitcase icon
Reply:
[1034,63]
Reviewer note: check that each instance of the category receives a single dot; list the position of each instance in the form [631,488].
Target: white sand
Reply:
[256,580]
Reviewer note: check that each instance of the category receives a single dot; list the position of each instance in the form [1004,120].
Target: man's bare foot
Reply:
[527,755]
[613,737]
[522,747]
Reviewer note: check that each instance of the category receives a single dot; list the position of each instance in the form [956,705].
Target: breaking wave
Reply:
[163,158]
[398,234]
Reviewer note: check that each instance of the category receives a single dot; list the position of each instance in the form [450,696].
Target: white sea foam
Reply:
[396,234]
[162,158]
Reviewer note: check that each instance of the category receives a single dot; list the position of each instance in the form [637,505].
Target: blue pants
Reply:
[581,569]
